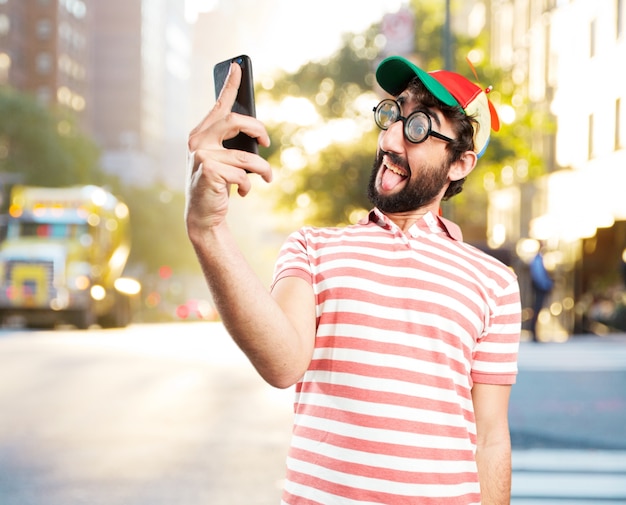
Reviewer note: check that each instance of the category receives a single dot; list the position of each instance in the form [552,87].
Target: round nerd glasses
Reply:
[417,127]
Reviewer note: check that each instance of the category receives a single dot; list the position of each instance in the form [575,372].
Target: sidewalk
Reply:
[579,352]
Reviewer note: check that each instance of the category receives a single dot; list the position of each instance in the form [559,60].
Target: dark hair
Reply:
[462,125]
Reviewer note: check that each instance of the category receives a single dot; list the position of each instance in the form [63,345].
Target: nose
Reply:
[392,139]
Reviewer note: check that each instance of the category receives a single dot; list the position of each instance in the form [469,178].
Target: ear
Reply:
[463,166]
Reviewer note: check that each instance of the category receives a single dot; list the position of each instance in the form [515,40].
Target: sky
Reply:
[276,30]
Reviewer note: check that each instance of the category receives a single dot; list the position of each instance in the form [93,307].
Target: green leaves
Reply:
[43,147]
[328,184]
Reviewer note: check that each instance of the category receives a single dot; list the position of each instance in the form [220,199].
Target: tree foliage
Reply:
[329,186]
[333,182]
[43,147]
[159,237]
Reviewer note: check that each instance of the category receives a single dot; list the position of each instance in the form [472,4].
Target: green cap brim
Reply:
[394,74]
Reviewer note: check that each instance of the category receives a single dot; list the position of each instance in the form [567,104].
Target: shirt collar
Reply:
[429,221]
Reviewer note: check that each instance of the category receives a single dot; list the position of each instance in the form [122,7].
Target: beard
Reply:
[415,194]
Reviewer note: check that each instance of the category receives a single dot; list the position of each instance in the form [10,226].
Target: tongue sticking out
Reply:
[391,179]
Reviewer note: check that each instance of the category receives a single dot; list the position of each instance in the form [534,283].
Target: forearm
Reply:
[494,471]
[250,314]
[493,445]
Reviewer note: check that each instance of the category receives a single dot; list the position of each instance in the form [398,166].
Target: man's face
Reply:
[406,176]
[412,192]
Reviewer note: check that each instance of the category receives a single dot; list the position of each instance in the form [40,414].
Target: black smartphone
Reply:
[244,103]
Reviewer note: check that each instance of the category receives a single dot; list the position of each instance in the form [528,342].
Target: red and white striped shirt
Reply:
[406,323]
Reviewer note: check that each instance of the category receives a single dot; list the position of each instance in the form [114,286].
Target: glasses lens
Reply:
[387,113]
[417,127]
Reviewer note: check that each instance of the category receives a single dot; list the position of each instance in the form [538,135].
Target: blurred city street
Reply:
[96,102]
[173,413]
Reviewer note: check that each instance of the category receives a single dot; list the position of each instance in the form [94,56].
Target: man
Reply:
[401,339]
[542,285]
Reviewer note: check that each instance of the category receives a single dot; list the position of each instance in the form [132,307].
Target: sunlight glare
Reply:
[507,114]
[193,7]
[293,158]
[294,110]
[303,200]
[335,131]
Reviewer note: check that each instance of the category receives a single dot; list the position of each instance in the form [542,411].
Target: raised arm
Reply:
[275,332]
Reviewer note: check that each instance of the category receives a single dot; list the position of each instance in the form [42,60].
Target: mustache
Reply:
[396,159]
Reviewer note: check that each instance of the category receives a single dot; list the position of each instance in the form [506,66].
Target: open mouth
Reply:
[392,175]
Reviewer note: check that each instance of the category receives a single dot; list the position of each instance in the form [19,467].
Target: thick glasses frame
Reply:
[385,118]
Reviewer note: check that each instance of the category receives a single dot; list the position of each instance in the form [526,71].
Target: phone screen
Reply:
[244,103]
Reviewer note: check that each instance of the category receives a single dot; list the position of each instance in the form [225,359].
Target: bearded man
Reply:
[401,339]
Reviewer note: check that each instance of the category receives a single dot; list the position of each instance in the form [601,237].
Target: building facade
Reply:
[45,50]
[565,57]
[122,66]
[140,69]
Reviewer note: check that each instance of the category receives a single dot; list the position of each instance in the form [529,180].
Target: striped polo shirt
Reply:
[406,323]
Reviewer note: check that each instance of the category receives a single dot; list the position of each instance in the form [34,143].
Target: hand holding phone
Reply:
[244,103]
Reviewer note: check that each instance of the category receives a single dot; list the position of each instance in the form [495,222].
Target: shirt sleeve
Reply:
[495,355]
[293,260]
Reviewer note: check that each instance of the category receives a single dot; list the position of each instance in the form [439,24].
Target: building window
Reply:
[5,67]
[43,63]
[5,24]
[592,39]
[618,124]
[590,139]
[44,95]
[77,8]
[44,29]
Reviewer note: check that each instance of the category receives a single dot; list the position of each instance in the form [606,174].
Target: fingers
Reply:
[217,177]
[225,100]
[234,123]
[227,96]
[230,165]
[209,142]
[205,145]
[227,127]
[221,124]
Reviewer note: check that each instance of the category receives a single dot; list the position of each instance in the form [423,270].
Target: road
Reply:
[164,414]
[174,414]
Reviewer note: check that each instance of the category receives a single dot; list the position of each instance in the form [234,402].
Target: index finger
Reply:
[226,98]
[229,91]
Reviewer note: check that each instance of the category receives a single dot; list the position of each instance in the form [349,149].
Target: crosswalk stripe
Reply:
[569,460]
[551,477]
[565,501]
